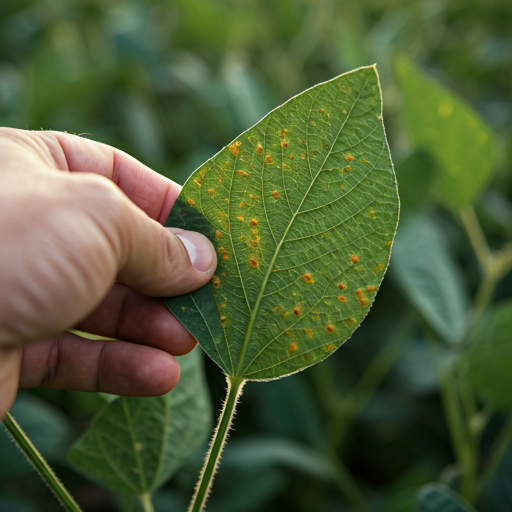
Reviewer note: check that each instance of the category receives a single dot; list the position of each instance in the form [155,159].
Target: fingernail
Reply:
[199,248]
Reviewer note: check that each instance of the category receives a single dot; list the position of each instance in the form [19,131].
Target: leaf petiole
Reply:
[235,385]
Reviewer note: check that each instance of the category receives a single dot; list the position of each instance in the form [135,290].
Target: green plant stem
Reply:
[147,504]
[40,464]
[235,385]
[476,237]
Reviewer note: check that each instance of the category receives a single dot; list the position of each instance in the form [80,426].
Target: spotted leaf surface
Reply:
[302,209]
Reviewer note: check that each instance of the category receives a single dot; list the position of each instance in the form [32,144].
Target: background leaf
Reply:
[440,498]
[302,209]
[135,444]
[454,134]
[429,277]
[490,360]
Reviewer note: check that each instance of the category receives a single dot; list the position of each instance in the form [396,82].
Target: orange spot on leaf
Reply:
[254,223]
[275,194]
[371,288]
[254,263]
[322,111]
[218,234]
[198,183]
[293,347]
[342,286]
[296,312]
[291,157]
[341,298]
[211,191]
[252,196]
[330,347]
[268,160]
[243,174]
[284,144]
[363,301]
[307,278]
[350,158]
[191,202]
[354,258]
[330,328]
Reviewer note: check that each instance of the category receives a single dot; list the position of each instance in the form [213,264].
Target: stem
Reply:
[40,464]
[235,385]
[147,504]
[476,237]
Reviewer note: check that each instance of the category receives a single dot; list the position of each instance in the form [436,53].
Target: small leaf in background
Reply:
[490,360]
[440,498]
[456,136]
[135,444]
[429,277]
[302,209]
[48,429]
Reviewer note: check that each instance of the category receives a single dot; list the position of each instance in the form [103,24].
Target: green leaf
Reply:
[135,444]
[440,498]
[48,429]
[429,277]
[302,209]
[490,360]
[455,135]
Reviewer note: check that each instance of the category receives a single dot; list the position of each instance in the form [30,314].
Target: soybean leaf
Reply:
[302,209]
[440,498]
[47,428]
[455,135]
[490,360]
[135,444]
[429,277]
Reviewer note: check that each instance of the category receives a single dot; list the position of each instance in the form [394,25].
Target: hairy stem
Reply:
[40,464]
[235,385]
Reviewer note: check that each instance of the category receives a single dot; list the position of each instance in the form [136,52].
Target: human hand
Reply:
[82,246]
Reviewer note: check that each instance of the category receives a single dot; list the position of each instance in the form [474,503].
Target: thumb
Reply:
[162,261]
[152,259]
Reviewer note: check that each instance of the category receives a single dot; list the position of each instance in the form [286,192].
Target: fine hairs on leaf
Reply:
[302,210]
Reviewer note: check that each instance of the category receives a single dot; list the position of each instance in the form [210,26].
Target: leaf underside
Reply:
[302,209]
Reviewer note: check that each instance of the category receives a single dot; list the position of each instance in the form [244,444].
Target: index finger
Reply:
[150,191]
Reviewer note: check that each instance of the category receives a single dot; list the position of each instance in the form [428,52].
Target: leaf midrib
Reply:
[254,311]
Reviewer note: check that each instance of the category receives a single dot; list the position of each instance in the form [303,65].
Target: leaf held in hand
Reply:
[302,209]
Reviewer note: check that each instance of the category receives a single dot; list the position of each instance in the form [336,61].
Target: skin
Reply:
[82,246]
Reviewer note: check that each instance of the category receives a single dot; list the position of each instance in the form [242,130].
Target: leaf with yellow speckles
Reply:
[293,231]
[451,131]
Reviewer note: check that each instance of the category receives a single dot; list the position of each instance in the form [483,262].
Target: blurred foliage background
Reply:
[173,81]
